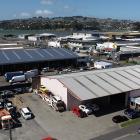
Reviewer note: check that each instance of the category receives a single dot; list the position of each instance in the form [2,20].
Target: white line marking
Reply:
[39,53]
[124,136]
[66,52]
[28,54]
[58,52]
[16,55]
[5,55]
[48,53]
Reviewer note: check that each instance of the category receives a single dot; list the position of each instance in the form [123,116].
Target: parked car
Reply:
[43,89]
[131,113]
[81,68]
[18,90]
[45,69]
[56,99]
[94,107]
[8,76]
[119,119]
[7,94]
[56,103]
[127,111]
[17,79]
[77,111]
[15,114]
[17,123]
[1,105]
[66,70]
[8,106]
[28,90]
[1,94]
[26,113]
[85,109]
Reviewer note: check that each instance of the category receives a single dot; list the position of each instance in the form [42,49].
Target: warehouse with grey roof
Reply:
[110,86]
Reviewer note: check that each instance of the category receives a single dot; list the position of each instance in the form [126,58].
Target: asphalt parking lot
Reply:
[62,126]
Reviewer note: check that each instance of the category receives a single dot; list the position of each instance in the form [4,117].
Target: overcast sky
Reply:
[120,9]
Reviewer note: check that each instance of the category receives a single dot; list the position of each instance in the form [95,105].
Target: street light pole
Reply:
[10,132]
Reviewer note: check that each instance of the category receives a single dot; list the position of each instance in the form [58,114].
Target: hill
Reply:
[70,23]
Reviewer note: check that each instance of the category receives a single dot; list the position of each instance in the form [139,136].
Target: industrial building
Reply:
[39,37]
[14,59]
[104,87]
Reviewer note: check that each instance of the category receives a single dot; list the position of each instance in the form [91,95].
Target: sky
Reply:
[117,9]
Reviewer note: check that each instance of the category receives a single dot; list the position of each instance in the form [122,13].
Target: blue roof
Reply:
[12,56]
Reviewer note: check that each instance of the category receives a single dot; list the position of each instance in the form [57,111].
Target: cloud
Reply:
[43,12]
[66,7]
[25,14]
[46,2]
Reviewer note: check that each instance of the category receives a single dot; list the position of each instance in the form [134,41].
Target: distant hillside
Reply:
[70,23]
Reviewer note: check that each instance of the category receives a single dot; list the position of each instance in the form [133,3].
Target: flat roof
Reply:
[100,83]
[14,56]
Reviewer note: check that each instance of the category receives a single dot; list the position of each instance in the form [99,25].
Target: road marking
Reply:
[124,136]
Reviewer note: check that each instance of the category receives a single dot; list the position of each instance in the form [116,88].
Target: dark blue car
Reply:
[131,113]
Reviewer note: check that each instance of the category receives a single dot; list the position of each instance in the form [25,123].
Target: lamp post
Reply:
[10,132]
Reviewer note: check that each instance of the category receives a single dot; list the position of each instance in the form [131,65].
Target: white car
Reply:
[8,106]
[56,99]
[45,69]
[26,113]
[85,109]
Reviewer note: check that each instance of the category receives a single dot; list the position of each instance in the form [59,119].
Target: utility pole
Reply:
[10,132]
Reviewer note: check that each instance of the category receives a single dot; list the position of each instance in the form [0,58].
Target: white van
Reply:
[16,79]
[26,113]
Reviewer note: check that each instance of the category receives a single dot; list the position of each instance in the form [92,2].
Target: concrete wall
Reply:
[56,87]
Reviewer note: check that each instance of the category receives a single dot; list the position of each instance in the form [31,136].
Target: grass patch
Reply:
[130,122]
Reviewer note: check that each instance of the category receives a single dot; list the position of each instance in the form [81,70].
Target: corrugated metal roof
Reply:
[99,83]
[79,90]
[13,56]
[114,82]
[124,80]
[91,86]
[103,84]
